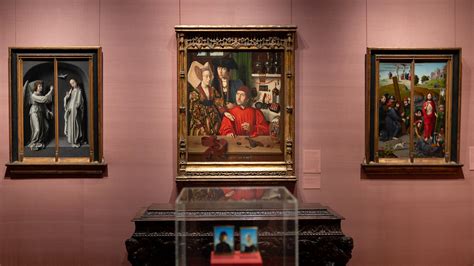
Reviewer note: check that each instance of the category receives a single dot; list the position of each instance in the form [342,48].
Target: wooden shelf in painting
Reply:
[256,75]
[411,171]
[55,170]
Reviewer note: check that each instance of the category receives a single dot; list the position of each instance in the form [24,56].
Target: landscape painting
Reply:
[413,105]
[394,109]
[430,108]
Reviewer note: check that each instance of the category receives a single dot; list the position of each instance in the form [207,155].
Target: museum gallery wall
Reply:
[398,222]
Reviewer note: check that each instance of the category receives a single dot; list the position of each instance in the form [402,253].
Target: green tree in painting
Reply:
[424,78]
[417,80]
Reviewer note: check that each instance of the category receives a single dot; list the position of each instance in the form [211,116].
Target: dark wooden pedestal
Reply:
[321,240]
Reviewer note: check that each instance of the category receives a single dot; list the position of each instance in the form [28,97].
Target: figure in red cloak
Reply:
[429,116]
[244,120]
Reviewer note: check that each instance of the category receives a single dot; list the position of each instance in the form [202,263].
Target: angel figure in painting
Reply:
[74,114]
[39,113]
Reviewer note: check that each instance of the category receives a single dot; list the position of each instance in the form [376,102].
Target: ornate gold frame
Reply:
[237,38]
[21,166]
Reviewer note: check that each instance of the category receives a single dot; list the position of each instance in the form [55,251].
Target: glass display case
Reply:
[236,225]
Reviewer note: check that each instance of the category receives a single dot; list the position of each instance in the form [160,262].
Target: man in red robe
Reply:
[429,116]
[244,120]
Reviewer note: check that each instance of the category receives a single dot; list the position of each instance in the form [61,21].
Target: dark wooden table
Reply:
[321,240]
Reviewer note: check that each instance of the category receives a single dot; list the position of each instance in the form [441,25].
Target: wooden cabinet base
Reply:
[320,238]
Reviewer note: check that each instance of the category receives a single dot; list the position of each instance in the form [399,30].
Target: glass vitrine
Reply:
[220,224]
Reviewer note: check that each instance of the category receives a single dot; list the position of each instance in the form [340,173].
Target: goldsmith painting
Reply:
[54,105]
[236,103]
[413,106]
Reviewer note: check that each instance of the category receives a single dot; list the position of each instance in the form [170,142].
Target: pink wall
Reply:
[85,222]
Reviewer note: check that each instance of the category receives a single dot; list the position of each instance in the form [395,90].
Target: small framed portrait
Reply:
[224,239]
[235,104]
[248,239]
[55,111]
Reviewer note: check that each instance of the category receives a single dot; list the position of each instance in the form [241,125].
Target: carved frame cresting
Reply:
[435,71]
[237,39]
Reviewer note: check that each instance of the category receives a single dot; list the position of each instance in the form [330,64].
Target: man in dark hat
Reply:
[223,83]
[223,246]
[248,121]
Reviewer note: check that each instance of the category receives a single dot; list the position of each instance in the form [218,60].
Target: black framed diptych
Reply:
[55,111]
[413,99]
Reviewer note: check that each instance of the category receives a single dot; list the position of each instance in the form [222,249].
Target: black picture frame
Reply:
[55,67]
[412,167]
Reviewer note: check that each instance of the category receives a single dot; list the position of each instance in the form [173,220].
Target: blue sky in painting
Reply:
[420,68]
[384,68]
[426,68]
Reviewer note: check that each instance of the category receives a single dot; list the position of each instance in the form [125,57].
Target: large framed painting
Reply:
[55,112]
[236,104]
[413,112]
